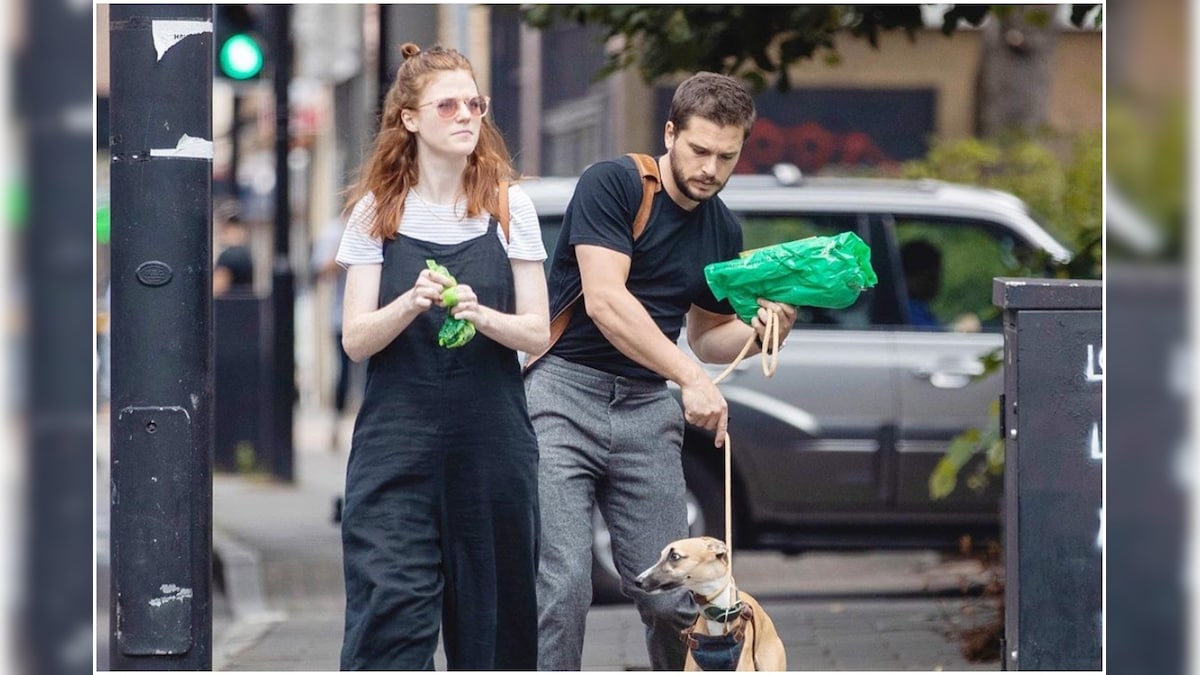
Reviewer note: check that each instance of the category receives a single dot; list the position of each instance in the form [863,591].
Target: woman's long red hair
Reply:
[391,169]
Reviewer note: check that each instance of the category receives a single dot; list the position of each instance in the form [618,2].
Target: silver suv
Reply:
[836,449]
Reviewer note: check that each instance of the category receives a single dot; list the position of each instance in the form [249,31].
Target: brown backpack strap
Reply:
[651,183]
[558,326]
[503,208]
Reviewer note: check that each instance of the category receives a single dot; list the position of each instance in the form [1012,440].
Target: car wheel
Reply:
[606,581]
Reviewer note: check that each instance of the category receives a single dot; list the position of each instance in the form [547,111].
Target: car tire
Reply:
[606,581]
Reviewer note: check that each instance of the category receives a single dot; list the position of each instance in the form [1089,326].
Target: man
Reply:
[234,269]
[921,262]
[922,265]
[609,432]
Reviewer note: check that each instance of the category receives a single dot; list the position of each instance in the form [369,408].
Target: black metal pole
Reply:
[235,145]
[283,281]
[383,61]
[162,361]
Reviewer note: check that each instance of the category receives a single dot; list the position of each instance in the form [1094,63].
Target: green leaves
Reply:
[454,332]
[757,42]
[1065,194]
[964,448]
[441,269]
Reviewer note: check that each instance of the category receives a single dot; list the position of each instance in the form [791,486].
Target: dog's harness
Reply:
[716,652]
[721,652]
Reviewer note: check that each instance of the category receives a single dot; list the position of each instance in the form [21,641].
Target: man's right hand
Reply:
[704,406]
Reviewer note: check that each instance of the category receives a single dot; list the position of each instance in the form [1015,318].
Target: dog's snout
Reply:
[637,582]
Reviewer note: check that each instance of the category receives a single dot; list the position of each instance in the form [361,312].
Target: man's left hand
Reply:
[787,318]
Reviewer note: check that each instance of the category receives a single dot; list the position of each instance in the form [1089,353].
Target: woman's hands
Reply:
[430,290]
[527,330]
[427,291]
[466,305]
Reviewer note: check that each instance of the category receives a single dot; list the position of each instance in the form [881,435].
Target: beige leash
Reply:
[770,352]
[770,360]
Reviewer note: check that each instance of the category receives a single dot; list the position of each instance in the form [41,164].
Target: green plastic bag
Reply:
[454,332]
[822,271]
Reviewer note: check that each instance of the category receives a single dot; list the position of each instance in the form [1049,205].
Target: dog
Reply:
[731,626]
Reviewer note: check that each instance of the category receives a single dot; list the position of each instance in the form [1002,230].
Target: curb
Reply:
[241,571]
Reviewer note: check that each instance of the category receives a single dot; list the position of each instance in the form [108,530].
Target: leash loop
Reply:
[770,360]
[770,351]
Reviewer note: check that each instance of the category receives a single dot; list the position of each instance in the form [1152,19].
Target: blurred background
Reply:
[1081,110]
[905,91]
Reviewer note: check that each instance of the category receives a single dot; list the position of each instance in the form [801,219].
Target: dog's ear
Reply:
[717,547]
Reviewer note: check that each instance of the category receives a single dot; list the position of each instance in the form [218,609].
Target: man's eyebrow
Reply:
[702,148]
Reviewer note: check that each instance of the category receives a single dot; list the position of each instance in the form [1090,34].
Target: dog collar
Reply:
[723,614]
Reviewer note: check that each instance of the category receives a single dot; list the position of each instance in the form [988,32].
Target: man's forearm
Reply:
[722,344]
[626,324]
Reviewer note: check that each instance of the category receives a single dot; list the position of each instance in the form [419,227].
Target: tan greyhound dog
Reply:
[731,627]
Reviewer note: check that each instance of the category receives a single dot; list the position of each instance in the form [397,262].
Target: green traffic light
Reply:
[241,57]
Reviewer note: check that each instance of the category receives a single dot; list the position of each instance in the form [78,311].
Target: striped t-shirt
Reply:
[441,224]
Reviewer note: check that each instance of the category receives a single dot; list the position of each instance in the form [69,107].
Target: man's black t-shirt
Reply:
[667,269]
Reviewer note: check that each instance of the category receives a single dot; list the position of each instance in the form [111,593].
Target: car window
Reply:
[760,230]
[948,267]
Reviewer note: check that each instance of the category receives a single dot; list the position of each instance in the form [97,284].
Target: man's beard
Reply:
[682,184]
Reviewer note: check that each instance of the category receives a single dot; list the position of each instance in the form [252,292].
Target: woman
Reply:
[440,522]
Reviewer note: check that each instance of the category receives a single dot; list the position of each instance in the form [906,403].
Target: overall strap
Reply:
[647,166]
[503,209]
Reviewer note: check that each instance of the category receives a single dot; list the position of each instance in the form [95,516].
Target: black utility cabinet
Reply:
[1053,520]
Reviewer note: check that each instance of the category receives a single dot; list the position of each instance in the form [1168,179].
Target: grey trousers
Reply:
[612,442]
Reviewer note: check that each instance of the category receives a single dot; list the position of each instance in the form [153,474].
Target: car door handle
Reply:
[949,377]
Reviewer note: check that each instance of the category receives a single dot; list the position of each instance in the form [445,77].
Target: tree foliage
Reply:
[756,42]
[1147,162]
[1065,194]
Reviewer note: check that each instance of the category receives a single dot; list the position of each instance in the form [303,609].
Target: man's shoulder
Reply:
[608,169]
[237,252]
[615,178]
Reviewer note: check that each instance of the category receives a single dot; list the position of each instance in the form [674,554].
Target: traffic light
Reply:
[239,44]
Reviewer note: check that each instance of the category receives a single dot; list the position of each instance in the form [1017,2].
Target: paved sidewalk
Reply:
[865,611]
[279,600]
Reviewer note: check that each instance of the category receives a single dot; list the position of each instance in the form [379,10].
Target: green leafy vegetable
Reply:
[454,332]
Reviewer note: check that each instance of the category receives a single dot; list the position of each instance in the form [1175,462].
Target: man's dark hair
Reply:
[920,255]
[720,99]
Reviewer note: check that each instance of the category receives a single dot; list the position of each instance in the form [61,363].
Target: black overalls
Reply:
[440,523]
